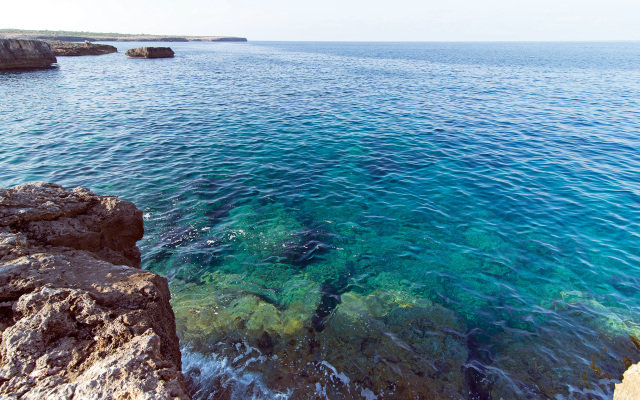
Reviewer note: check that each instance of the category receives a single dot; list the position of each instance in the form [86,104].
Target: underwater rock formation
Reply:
[607,342]
[87,48]
[386,344]
[25,54]
[78,318]
[150,52]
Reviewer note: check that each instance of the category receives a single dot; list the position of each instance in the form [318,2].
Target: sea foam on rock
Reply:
[16,53]
[78,318]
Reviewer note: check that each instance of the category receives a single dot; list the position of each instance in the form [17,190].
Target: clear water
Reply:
[497,183]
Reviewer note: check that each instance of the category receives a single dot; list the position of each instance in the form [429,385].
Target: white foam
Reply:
[368,394]
[209,375]
[341,376]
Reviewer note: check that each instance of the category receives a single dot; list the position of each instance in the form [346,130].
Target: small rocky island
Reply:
[16,54]
[150,52]
[78,317]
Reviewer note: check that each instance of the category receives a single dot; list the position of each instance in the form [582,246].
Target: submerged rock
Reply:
[150,52]
[87,48]
[543,364]
[25,54]
[384,345]
[78,318]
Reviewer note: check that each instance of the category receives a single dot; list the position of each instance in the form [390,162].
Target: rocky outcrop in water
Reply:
[78,318]
[16,54]
[87,48]
[150,52]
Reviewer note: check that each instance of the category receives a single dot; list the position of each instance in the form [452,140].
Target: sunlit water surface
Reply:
[308,199]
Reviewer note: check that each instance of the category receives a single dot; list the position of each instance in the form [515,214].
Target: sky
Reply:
[341,20]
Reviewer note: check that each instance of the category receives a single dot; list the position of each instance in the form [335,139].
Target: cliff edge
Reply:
[16,53]
[78,318]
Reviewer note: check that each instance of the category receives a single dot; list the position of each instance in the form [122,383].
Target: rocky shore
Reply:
[79,318]
[25,54]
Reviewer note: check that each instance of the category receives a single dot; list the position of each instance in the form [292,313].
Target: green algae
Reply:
[226,305]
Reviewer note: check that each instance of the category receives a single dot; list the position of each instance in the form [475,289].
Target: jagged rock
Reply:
[150,52]
[87,48]
[78,318]
[48,214]
[25,54]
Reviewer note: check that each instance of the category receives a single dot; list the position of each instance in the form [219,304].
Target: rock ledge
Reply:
[78,318]
[16,54]
[66,49]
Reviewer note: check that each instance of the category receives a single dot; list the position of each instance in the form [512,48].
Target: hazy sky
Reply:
[372,20]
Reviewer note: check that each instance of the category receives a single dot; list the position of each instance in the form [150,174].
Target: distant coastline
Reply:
[71,36]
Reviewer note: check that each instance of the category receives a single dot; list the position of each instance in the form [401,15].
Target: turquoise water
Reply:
[298,192]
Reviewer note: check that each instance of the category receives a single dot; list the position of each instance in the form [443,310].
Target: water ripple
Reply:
[496,180]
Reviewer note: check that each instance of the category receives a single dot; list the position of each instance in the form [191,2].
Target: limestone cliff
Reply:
[78,318]
[25,54]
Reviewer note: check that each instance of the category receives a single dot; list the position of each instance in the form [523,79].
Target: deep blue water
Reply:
[498,181]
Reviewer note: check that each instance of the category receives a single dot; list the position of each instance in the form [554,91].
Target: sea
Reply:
[366,220]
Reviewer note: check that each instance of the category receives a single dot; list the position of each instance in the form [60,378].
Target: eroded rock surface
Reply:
[150,52]
[16,54]
[78,318]
[87,48]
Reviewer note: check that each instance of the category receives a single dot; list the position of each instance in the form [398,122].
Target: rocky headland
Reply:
[70,36]
[79,318]
[150,52]
[15,54]
[65,49]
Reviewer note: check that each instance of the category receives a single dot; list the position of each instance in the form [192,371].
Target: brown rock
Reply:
[87,48]
[150,52]
[25,54]
[78,318]
[49,214]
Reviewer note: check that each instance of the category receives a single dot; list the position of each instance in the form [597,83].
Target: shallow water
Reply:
[487,193]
